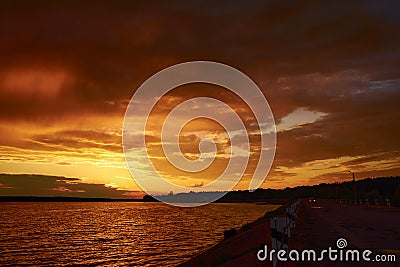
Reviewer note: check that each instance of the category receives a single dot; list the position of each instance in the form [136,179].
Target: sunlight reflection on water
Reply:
[116,233]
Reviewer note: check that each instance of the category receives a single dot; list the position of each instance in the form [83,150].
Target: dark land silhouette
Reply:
[63,199]
[369,190]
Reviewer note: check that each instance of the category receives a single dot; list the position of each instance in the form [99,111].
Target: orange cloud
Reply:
[43,83]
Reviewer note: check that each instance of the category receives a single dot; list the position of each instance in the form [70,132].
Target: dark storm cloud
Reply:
[362,119]
[356,133]
[42,185]
[109,49]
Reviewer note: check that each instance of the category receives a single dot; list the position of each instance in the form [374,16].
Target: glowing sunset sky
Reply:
[330,72]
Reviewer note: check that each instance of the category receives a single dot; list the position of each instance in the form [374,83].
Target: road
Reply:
[322,223]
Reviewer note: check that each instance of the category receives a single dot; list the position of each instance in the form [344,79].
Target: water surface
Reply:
[114,233]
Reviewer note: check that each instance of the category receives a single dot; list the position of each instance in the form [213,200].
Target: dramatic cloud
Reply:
[330,72]
[41,185]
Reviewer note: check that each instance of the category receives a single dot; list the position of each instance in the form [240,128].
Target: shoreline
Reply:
[240,247]
[8,199]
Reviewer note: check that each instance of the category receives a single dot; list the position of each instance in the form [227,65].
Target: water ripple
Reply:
[113,234]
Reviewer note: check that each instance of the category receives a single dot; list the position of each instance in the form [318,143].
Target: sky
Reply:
[330,72]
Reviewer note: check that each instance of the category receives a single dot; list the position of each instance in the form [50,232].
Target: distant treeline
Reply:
[62,199]
[371,189]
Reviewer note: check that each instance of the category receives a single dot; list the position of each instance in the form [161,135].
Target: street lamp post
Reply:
[354,185]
